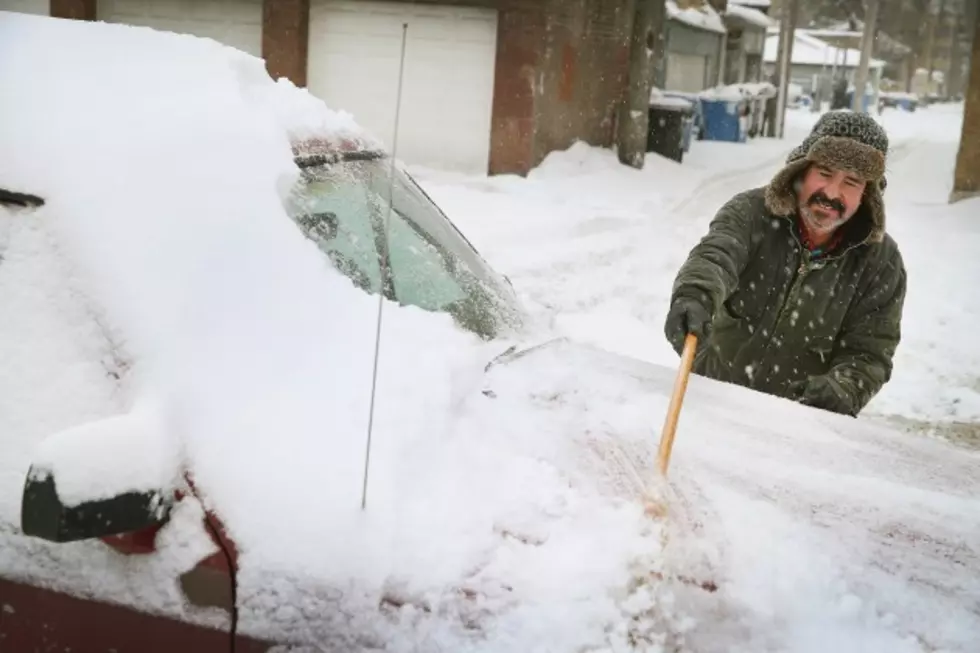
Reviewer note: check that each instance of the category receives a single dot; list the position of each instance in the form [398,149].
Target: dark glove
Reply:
[686,316]
[821,392]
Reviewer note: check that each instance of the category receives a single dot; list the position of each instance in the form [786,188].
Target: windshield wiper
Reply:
[8,197]
[313,160]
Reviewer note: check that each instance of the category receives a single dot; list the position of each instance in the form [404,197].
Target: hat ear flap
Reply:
[781,192]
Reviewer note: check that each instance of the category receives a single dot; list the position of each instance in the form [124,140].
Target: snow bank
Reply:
[749,15]
[704,17]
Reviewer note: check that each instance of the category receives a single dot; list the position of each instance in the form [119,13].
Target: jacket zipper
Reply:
[802,271]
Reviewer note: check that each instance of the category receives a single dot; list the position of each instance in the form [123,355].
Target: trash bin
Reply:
[695,126]
[669,131]
[671,124]
[723,120]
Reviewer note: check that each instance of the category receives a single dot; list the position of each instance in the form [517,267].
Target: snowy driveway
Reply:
[595,246]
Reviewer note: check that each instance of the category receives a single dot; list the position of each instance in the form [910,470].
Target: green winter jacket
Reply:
[780,318]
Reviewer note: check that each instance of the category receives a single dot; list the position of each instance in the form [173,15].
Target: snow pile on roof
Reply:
[811,51]
[704,17]
[165,234]
[748,15]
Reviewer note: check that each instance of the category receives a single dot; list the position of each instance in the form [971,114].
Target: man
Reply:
[796,290]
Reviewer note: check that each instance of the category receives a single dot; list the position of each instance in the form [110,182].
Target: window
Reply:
[343,206]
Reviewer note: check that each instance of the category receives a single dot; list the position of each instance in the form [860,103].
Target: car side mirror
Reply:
[44,515]
[107,477]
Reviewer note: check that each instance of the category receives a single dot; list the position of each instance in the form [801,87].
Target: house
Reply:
[897,56]
[489,85]
[815,64]
[694,39]
[745,43]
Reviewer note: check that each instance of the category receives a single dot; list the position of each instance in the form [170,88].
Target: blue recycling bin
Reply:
[723,120]
[865,106]
[907,104]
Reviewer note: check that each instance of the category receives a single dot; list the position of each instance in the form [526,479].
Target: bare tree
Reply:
[631,138]
[867,45]
[966,178]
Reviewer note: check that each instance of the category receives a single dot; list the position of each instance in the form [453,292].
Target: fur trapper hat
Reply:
[841,140]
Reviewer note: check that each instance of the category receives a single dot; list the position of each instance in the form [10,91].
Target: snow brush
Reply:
[673,415]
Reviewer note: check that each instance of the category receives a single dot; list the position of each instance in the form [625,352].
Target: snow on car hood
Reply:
[819,532]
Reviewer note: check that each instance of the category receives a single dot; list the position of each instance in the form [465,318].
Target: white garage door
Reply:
[237,23]
[686,72]
[40,7]
[447,94]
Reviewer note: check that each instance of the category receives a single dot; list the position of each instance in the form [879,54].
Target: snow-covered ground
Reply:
[164,285]
[596,246]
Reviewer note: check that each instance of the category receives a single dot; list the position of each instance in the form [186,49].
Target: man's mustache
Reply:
[820,198]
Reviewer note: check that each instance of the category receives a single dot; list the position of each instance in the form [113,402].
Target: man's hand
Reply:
[686,316]
[821,392]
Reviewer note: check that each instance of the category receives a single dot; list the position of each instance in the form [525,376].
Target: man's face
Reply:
[828,198]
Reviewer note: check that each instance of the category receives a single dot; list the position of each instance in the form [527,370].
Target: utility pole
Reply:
[940,21]
[634,113]
[867,46]
[787,34]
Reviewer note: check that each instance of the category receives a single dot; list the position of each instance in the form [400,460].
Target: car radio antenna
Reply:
[386,279]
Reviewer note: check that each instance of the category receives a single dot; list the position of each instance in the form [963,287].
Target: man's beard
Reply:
[822,222]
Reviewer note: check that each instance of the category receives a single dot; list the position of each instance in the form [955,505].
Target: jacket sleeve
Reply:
[862,361]
[712,269]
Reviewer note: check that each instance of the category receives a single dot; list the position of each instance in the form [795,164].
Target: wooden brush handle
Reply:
[676,400]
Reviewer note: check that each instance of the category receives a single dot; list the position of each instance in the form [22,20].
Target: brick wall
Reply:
[584,73]
[561,72]
[521,32]
[76,9]
[966,179]
[285,35]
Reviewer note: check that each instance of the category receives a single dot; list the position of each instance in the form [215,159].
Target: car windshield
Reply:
[426,261]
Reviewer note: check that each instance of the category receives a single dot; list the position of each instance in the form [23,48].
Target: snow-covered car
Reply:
[192,262]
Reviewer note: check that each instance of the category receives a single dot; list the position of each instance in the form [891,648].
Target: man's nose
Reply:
[832,189]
